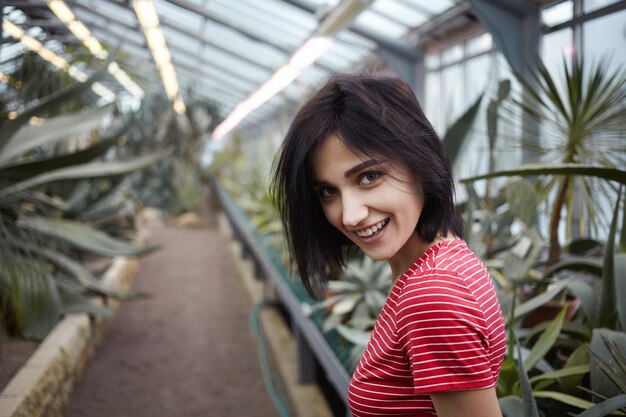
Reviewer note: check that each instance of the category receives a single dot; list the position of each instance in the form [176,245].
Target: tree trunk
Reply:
[555,247]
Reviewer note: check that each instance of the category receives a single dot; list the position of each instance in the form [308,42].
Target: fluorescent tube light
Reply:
[149,21]
[310,52]
[64,13]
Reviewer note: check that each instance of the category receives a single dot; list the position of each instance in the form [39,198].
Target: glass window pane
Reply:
[432,102]
[431,60]
[557,14]
[591,5]
[378,23]
[399,12]
[451,94]
[556,46]
[478,72]
[452,54]
[479,44]
[606,36]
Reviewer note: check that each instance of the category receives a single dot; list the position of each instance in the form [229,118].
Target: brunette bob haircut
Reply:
[378,116]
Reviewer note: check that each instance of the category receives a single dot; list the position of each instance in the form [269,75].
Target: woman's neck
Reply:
[412,251]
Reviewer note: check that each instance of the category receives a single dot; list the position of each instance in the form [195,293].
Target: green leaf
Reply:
[454,138]
[606,407]
[620,287]
[580,356]
[523,200]
[587,297]
[108,203]
[530,405]
[511,406]
[562,169]
[62,127]
[540,299]
[583,246]
[358,337]
[607,315]
[48,102]
[608,378]
[23,170]
[90,170]
[576,263]
[546,341]
[79,272]
[564,398]
[572,370]
[32,295]
[508,380]
[579,330]
[82,236]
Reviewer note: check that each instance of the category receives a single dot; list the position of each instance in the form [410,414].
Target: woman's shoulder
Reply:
[451,256]
[450,267]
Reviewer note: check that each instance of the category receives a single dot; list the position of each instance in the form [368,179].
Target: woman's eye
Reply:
[326,192]
[369,178]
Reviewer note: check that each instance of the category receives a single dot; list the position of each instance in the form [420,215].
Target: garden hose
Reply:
[273,384]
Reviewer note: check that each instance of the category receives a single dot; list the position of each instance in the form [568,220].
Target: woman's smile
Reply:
[372,233]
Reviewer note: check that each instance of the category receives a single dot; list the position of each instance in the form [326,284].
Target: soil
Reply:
[13,354]
[186,350]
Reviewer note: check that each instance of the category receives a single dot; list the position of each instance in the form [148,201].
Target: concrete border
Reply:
[43,385]
[305,400]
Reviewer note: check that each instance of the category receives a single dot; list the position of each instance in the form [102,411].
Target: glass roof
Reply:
[224,50]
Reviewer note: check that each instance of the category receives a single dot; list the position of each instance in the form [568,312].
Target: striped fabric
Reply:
[441,329]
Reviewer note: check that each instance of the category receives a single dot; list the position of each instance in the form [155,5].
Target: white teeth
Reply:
[370,231]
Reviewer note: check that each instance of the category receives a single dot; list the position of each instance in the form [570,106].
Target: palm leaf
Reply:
[562,169]
[23,170]
[82,236]
[89,170]
[605,407]
[58,128]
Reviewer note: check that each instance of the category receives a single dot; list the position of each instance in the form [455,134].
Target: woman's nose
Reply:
[354,211]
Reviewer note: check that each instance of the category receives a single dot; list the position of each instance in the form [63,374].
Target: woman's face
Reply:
[376,204]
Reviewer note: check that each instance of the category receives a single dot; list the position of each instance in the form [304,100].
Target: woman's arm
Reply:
[474,403]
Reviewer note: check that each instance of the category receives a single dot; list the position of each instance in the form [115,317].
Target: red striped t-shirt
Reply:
[441,329]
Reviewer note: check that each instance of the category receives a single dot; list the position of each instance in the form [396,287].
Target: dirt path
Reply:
[185,351]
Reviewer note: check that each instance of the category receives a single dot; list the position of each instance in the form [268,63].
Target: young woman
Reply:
[361,166]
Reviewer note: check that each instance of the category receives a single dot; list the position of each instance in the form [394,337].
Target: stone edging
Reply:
[43,385]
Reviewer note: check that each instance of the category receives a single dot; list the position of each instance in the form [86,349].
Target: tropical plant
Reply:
[40,273]
[583,122]
[549,379]
[359,296]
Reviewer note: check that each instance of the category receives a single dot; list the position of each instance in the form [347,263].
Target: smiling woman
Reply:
[362,166]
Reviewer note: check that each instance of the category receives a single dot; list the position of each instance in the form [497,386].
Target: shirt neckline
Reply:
[419,261]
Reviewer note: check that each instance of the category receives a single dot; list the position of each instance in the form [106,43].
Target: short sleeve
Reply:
[442,329]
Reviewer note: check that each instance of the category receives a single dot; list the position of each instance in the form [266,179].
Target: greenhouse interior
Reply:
[149,255]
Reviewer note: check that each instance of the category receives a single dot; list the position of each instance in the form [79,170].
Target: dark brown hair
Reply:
[375,115]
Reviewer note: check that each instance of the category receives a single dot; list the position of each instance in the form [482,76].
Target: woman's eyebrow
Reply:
[360,167]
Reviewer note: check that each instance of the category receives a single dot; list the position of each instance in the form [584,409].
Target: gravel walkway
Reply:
[187,349]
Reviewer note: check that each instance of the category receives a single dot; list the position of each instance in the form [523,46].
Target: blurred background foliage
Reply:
[74,174]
